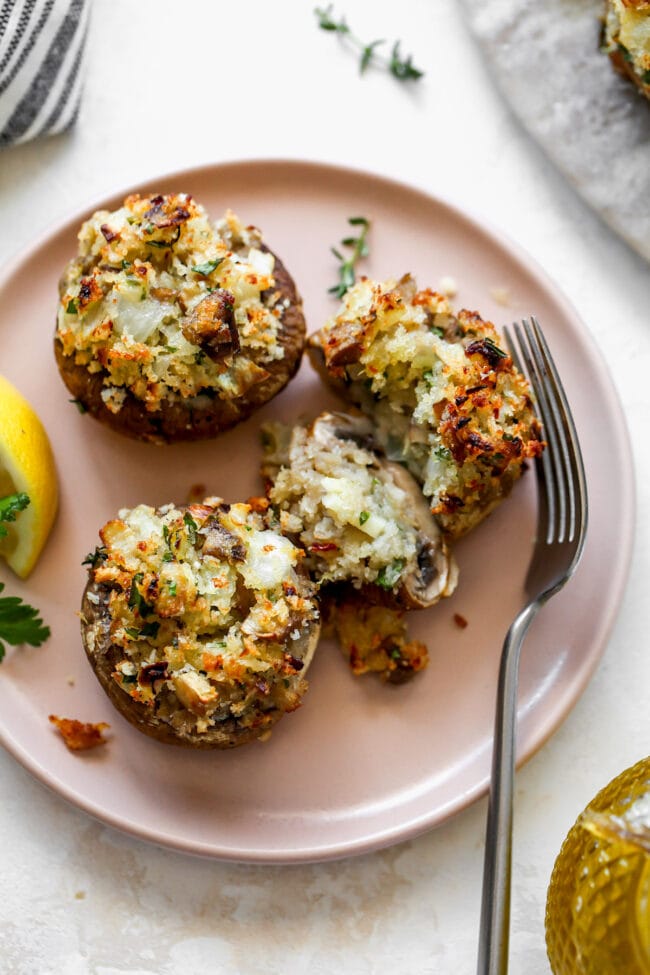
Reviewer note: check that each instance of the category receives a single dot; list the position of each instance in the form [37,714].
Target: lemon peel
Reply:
[26,464]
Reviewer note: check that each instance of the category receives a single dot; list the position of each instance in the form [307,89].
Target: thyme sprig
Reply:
[400,67]
[348,264]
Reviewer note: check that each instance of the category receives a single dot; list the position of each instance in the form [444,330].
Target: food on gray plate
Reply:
[199,621]
[360,518]
[172,328]
[444,397]
[626,38]
[374,639]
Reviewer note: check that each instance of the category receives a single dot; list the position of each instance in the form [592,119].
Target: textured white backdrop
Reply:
[594,124]
[171,85]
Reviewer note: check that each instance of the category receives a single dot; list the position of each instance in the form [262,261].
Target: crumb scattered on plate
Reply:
[80,895]
[501,295]
[79,736]
[448,286]
[374,639]
[70,681]
[460,621]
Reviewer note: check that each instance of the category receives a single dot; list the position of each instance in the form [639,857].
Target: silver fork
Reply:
[561,530]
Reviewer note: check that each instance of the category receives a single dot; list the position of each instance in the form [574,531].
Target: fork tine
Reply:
[576,479]
[543,362]
[553,473]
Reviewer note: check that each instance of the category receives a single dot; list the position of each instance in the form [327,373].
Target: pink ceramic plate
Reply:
[362,764]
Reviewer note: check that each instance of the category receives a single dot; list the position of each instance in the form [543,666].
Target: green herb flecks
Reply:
[10,506]
[80,406]
[208,266]
[96,557]
[191,526]
[400,67]
[359,249]
[20,623]
[136,599]
[389,576]
[71,307]
[363,517]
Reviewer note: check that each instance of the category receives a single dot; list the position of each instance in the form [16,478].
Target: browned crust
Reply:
[179,421]
[103,656]
[626,68]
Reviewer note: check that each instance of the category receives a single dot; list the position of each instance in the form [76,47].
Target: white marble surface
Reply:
[77,898]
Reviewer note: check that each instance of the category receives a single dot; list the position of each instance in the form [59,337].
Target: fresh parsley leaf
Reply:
[208,266]
[10,506]
[363,517]
[71,307]
[442,453]
[20,623]
[171,588]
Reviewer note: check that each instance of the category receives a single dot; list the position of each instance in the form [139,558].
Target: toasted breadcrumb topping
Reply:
[374,640]
[444,395]
[209,609]
[626,38]
[79,736]
[169,306]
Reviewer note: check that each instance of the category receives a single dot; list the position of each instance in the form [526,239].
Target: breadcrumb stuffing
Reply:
[80,736]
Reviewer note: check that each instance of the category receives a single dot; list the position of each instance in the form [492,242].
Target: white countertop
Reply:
[172,85]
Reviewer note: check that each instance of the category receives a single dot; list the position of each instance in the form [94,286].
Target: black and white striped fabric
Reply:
[41,66]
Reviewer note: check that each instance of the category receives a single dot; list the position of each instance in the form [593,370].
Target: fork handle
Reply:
[495,903]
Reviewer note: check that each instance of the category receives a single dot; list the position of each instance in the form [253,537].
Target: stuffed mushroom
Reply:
[172,328]
[199,622]
[361,519]
[626,39]
[444,397]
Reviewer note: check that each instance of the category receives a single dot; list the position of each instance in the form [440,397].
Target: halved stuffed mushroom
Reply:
[172,328]
[361,519]
[199,622]
[444,397]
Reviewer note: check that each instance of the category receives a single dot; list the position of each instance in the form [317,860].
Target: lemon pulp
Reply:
[26,464]
[598,906]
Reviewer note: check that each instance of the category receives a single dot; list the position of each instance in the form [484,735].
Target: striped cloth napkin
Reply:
[41,66]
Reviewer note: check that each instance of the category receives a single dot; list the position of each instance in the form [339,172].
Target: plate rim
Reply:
[388,835]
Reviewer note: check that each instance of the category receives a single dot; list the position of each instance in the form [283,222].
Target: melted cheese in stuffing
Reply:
[206,605]
[445,398]
[141,271]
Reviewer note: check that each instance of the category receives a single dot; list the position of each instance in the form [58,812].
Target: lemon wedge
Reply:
[26,464]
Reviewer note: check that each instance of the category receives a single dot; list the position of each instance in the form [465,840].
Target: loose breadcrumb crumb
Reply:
[70,681]
[460,621]
[80,895]
[80,735]
[448,286]
[501,295]
[374,639]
